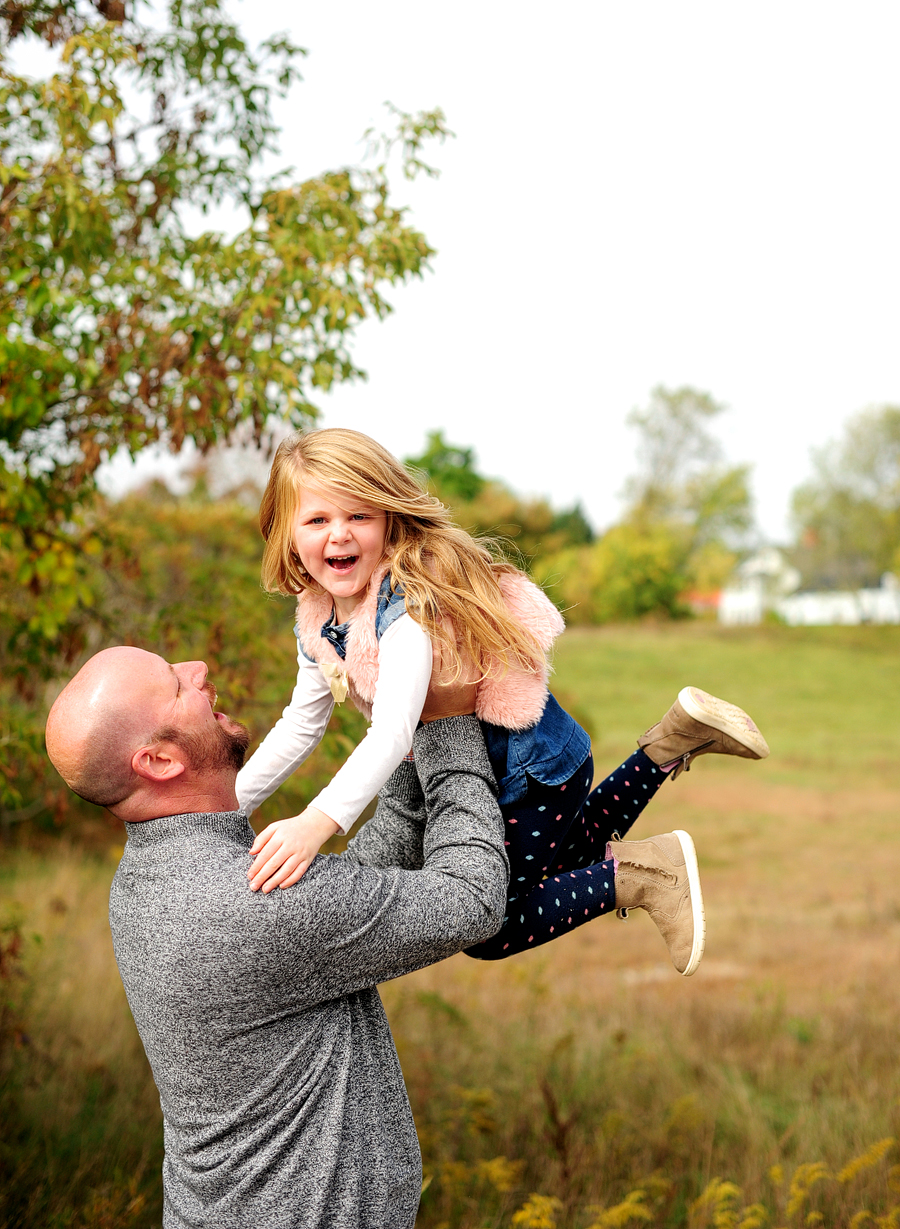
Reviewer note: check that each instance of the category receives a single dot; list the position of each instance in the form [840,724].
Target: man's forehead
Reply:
[132,671]
[113,686]
[142,662]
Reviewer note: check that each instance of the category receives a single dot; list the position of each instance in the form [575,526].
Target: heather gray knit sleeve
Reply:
[372,924]
[395,834]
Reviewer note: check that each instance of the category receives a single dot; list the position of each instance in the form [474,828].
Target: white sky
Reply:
[639,194]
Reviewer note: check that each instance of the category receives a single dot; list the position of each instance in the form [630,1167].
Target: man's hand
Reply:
[449,696]
[284,850]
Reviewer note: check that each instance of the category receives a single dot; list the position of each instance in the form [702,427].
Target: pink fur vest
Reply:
[514,699]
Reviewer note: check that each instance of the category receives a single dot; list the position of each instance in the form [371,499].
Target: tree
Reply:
[528,528]
[449,468]
[117,327]
[631,571]
[684,484]
[847,516]
[682,477]
[686,511]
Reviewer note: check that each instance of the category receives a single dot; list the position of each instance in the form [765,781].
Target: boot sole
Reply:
[724,717]
[699,914]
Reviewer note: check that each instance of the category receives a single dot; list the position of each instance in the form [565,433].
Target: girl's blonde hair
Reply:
[448,577]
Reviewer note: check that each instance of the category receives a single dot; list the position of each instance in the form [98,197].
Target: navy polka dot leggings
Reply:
[556,841]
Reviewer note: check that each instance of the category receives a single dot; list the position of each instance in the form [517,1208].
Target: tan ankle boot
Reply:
[661,876]
[699,724]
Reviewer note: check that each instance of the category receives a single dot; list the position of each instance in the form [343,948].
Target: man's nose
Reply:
[192,672]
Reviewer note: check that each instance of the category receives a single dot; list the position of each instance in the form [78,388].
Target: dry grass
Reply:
[81,1142]
[586,1073]
[781,1050]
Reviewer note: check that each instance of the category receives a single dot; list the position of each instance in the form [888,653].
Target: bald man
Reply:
[282,1097]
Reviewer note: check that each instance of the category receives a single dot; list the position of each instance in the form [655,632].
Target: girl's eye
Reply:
[360,516]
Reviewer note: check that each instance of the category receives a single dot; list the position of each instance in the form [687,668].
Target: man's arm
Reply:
[395,834]
[346,927]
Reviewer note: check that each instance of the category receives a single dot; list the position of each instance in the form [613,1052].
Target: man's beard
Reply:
[223,748]
[219,748]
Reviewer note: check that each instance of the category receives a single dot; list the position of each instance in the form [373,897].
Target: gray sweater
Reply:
[282,1097]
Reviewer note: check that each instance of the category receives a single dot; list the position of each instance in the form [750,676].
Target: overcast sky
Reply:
[638,193]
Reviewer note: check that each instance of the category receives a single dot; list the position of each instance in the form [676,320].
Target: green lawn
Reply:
[826,698]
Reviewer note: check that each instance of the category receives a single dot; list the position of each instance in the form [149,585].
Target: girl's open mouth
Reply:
[342,563]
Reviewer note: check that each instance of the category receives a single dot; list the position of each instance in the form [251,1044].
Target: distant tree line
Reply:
[847,515]
[687,514]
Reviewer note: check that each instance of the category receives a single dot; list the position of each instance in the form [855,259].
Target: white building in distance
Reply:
[766,581]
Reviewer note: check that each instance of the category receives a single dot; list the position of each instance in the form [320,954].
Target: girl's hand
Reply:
[284,850]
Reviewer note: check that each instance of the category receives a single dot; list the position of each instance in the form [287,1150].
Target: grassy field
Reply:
[582,1084]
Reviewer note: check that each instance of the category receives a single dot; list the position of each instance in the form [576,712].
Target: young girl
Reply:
[387,585]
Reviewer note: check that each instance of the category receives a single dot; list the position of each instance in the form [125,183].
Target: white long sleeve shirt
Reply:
[404,673]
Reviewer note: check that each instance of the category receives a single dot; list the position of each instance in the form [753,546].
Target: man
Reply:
[283,1100]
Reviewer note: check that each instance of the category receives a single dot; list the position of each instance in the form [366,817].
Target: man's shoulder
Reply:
[178,866]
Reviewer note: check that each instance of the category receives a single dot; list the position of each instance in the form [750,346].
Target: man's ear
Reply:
[158,762]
